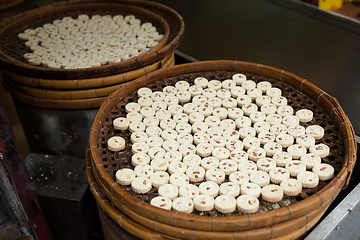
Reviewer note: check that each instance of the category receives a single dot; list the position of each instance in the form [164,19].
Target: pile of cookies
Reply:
[219,145]
[86,41]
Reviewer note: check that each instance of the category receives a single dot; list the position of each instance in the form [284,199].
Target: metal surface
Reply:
[18,198]
[63,190]
[314,44]
[342,221]
[56,132]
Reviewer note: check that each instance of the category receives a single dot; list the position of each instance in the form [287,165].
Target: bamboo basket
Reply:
[5,4]
[96,87]
[291,211]
[85,99]
[12,49]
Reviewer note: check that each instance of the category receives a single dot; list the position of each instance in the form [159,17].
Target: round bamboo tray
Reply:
[86,99]
[38,84]
[93,92]
[300,93]
[144,228]
[12,49]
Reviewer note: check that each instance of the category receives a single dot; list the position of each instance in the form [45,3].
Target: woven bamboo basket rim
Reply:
[84,93]
[9,4]
[294,228]
[224,223]
[267,232]
[77,104]
[62,84]
[19,22]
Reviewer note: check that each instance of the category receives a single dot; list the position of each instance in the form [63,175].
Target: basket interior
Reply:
[14,48]
[112,161]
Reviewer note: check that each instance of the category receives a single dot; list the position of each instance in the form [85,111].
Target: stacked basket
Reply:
[286,219]
[82,89]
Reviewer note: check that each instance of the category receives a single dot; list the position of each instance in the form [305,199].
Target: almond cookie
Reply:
[159,178]
[260,178]
[209,188]
[215,175]
[140,158]
[154,141]
[308,179]
[247,204]
[204,203]
[291,187]
[315,131]
[239,78]
[239,178]
[242,122]
[238,155]
[243,100]
[234,113]
[192,160]
[137,127]
[247,167]
[201,81]
[305,140]
[221,153]
[285,140]
[268,109]
[282,158]
[225,204]
[161,202]
[230,133]
[278,174]
[121,123]
[141,185]
[324,171]
[204,149]
[200,127]
[320,149]
[251,189]
[189,191]
[261,126]
[296,131]
[116,144]
[262,100]
[177,167]
[173,156]
[195,173]
[228,166]
[168,190]
[304,115]
[296,151]
[272,193]
[310,160]
[295,167]
[254,93]
[179,179]
[183,204]
[290,120]
[209,162]
[156,152]
[125,176]
[185,138]
[255,153]
[139,147]
[265,164]
[271,148]
[229,188]
[170,145]
[233,145]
